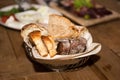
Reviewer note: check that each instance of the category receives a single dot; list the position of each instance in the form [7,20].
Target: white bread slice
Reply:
[35,36]
[60,27]
[50,44]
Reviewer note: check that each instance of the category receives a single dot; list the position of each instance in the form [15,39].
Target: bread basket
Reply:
[65,62]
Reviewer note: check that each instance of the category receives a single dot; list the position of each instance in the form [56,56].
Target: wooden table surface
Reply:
[14,65]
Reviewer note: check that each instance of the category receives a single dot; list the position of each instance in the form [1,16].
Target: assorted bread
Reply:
[35,35]
[60,37]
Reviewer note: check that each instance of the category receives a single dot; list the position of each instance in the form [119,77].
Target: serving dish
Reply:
[42,13]
[52,64]
[62,62]
[82,21]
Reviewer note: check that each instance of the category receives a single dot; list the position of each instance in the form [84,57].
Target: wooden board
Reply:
[14,64]
[82,21]
[108,35]
[82,74]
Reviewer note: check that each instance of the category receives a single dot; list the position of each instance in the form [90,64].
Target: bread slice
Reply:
[32,27]
[60,27]
[50,44]
[35,37]
[28,29]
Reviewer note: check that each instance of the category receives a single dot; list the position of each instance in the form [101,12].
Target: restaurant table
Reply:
[14,64]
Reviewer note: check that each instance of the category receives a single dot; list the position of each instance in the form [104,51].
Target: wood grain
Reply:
[108,36]
[15,65]
[82,74]
[45,76]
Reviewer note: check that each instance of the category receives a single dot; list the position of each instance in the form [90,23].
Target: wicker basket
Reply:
[58,64]
[63,62]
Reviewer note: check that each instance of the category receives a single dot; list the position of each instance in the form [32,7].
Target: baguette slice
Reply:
[50,44]
[35,37]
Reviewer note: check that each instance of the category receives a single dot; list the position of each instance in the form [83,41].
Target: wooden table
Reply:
[14,65]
